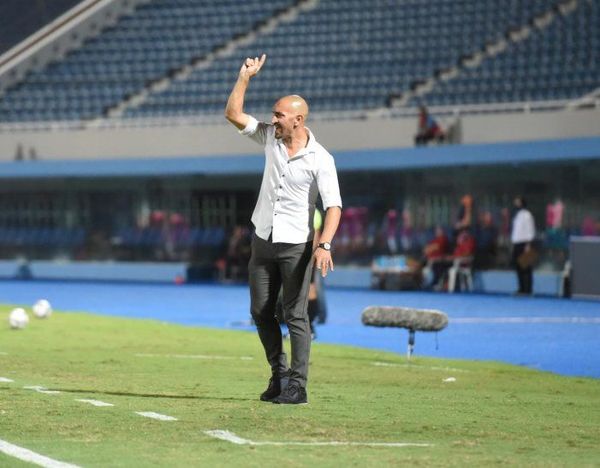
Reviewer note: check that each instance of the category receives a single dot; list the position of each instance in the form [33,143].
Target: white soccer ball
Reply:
[42,309]
[18,318]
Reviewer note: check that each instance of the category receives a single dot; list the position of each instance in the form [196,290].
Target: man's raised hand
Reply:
[251,66]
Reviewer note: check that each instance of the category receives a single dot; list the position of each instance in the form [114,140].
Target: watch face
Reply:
[326,245]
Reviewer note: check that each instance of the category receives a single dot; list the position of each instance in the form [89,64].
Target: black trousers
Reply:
[524,275]
[287,266]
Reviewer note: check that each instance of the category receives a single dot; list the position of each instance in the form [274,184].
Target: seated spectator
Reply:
[462,255]
[428,129]
[435,252]
[465,245]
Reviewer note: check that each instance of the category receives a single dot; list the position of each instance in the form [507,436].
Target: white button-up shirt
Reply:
[291,185]
[523,228]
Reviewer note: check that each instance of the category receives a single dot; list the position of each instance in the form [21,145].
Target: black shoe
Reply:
[273,390]
[292,395]
[276,384]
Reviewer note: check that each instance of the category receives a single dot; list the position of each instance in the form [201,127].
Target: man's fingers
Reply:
[323,263]
[327,265]
[253,65]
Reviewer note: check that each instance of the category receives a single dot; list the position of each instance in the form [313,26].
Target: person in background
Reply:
[589,226]
[406,231]
[465,245]
[238,254]
[522,236]
[435,252]
[428,129]
[486,235]
[465,214]
[316,301]
[390,231]
[464,250]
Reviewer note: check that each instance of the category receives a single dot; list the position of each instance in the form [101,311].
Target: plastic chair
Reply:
[461,272]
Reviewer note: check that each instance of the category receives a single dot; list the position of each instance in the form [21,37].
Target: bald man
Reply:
[297,170]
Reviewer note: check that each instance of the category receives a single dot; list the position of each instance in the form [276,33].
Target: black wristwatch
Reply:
[325,246]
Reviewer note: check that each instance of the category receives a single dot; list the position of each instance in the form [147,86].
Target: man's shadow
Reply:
[150,395]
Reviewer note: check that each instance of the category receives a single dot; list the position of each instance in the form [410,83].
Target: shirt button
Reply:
[280,186]
[283,175]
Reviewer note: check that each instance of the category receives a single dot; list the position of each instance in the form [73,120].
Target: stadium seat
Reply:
[385,48]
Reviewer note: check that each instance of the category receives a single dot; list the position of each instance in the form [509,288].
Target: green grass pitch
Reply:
[210,379]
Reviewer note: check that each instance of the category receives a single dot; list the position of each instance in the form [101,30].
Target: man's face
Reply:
[284,120]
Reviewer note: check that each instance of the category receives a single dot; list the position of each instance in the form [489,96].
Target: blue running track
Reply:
[557,335]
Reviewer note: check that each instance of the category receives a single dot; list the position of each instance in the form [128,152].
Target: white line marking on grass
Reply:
[195,356]
[3,353]
[95,402]
[417,366]
[40,389]
[32,457]
[6,379]
[558,320]
[234,439]
[153,415]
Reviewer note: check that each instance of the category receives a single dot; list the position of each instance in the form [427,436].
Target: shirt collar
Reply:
[309,148]
[312,142]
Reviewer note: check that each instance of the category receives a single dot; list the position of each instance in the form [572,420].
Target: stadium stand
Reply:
[352,58]
[558,62]
[160,36]
[346,61]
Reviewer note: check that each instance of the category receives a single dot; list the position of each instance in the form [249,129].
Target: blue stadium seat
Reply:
[384,48]
[159,36]
[559,62]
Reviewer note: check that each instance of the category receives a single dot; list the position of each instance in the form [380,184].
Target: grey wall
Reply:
[221,139]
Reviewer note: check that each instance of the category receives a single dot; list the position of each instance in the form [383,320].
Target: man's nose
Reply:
[273,120]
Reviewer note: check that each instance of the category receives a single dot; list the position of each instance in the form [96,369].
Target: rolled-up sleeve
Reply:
[256,131]
[327,182]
